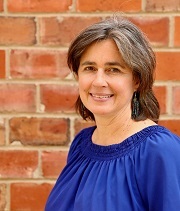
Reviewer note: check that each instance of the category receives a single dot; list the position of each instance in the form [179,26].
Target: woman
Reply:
[126,162]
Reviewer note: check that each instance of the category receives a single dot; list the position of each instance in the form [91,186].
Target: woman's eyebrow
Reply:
[114,64]
[106,64]
[88,63]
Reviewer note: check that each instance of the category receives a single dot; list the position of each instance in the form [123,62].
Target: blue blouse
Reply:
[139,174]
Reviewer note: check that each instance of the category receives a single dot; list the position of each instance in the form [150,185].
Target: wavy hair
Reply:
[137,53]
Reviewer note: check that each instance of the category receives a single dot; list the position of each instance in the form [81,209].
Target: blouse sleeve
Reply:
[158,172]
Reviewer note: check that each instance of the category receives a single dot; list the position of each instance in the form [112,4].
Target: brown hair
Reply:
[136,52]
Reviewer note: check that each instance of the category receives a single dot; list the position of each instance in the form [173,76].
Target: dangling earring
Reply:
[135,106]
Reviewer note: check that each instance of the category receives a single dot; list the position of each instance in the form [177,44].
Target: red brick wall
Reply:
[37,92]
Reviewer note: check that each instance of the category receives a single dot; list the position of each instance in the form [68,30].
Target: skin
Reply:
[106,87]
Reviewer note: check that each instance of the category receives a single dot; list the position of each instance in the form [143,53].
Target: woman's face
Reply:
[106,84]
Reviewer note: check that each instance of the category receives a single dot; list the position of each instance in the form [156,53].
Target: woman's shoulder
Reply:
[162,142]
[163,136]
[159,153]
[81,135]
[157,169]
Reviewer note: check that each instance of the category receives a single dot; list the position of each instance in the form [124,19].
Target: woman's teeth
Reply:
[101,96]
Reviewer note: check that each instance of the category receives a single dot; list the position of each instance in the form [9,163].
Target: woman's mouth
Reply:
[101,96]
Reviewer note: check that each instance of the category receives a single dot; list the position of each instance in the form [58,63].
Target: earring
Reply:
[135,106]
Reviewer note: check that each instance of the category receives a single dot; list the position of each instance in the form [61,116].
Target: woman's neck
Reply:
[115,130]
[112,130]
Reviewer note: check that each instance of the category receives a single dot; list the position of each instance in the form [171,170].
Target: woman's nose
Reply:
[100,78]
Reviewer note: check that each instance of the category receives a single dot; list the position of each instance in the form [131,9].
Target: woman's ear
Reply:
[136,79]
[136,84]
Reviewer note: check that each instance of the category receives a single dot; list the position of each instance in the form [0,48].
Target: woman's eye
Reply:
[113,70]
[90,68]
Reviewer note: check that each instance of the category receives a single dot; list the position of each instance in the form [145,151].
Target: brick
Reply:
[17,31]
[52,163]
[80,124]
[21,98]
[35,64]
[39,131]
[168,66]
[162,5]
[3,193]
[2,64]
[176,31]
[160,93]
[59,98]
[176,100]
[155,28]
[18,163]
[172,125]
[29,196]
[108,5]
[2,132]
[1,5]
[39,6]
[61,31]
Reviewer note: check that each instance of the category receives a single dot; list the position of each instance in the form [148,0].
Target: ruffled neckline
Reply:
[109,152]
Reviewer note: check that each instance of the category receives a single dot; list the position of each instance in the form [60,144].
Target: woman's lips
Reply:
[101,96]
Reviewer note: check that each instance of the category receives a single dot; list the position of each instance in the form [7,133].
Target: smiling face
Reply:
[106,84]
